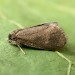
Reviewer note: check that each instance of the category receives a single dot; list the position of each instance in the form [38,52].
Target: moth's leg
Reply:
[18,43]
[21,49]
[69,61]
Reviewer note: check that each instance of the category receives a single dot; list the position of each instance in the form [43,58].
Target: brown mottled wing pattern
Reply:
[43,36]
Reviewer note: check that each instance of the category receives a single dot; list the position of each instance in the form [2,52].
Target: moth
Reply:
[43,36]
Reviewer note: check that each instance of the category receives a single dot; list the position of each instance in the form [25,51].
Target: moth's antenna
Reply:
[21,49]
[69,61]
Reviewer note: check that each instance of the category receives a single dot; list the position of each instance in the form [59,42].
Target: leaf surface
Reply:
[15,14]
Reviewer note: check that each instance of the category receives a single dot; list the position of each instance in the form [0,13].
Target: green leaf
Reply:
[16,14]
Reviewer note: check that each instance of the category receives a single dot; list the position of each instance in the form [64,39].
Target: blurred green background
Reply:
[15,14]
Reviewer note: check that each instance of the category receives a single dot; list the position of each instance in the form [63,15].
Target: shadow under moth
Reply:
[44,36]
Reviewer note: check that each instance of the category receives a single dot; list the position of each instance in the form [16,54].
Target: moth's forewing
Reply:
[46,36]
[32,36]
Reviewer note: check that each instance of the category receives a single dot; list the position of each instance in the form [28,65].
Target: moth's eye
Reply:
[13,38]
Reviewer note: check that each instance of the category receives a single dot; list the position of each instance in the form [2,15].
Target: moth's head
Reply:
[12,38]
